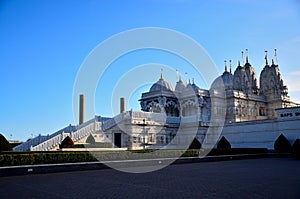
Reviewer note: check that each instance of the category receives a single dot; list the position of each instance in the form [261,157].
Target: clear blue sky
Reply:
[43,44]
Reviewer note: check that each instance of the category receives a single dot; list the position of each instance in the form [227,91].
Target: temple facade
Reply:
[253,114]
[246,101]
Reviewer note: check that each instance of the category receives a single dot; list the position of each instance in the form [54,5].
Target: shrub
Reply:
[195,144]
[15,144]
[296,149]
[30,158]
[223,144]
[142,151]
[53,157]
[282,145]
[191,153]
[67,143]
[4,144]
[90,139]
[100,145]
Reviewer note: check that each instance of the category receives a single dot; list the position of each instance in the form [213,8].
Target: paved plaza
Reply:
[256,178]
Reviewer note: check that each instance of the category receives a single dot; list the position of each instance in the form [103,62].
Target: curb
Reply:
[84,166]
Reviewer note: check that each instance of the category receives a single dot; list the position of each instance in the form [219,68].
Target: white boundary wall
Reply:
[263,133]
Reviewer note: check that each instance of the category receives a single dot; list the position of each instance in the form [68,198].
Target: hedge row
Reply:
[33,158]
[235,151]
[95,145]
[15,159]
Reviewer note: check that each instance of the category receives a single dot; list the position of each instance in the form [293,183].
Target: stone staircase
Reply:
[46,143]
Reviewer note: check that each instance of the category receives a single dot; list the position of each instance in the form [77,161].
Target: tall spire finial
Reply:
[275,55]
[242,58]
[247,56]
[193,80]
[161,73]
[239,63]
[266,57]
[230,69]
[272,61]
[225,65]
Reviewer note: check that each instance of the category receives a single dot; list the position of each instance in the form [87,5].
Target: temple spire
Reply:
[275,55]
[230,69]
[186,77]
[272,61]
[161,73]
[242,58]
[266,57]
[239,63]
[225,65]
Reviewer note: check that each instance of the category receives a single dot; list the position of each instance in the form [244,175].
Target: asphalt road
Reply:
[255,178]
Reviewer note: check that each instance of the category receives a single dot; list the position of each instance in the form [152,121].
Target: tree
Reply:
[90,139]
[195,144]
[67,143]
[282,145]
[4,144]
[296,149]
[223,144]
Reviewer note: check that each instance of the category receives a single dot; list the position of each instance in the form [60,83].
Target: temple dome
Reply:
[227,79]
[161,85]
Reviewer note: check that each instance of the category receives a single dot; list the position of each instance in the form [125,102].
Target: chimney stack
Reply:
[81,109]
[122,105]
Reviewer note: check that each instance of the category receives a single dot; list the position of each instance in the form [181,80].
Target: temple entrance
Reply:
[117,139]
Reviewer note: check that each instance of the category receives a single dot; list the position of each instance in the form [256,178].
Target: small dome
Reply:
[161,85]
[224,81]
[195,87]
[179,85]
[192,87]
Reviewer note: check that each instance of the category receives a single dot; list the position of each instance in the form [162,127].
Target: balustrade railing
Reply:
[44,143]
[115,120]
[83,130]
[26,146]
[51,143]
